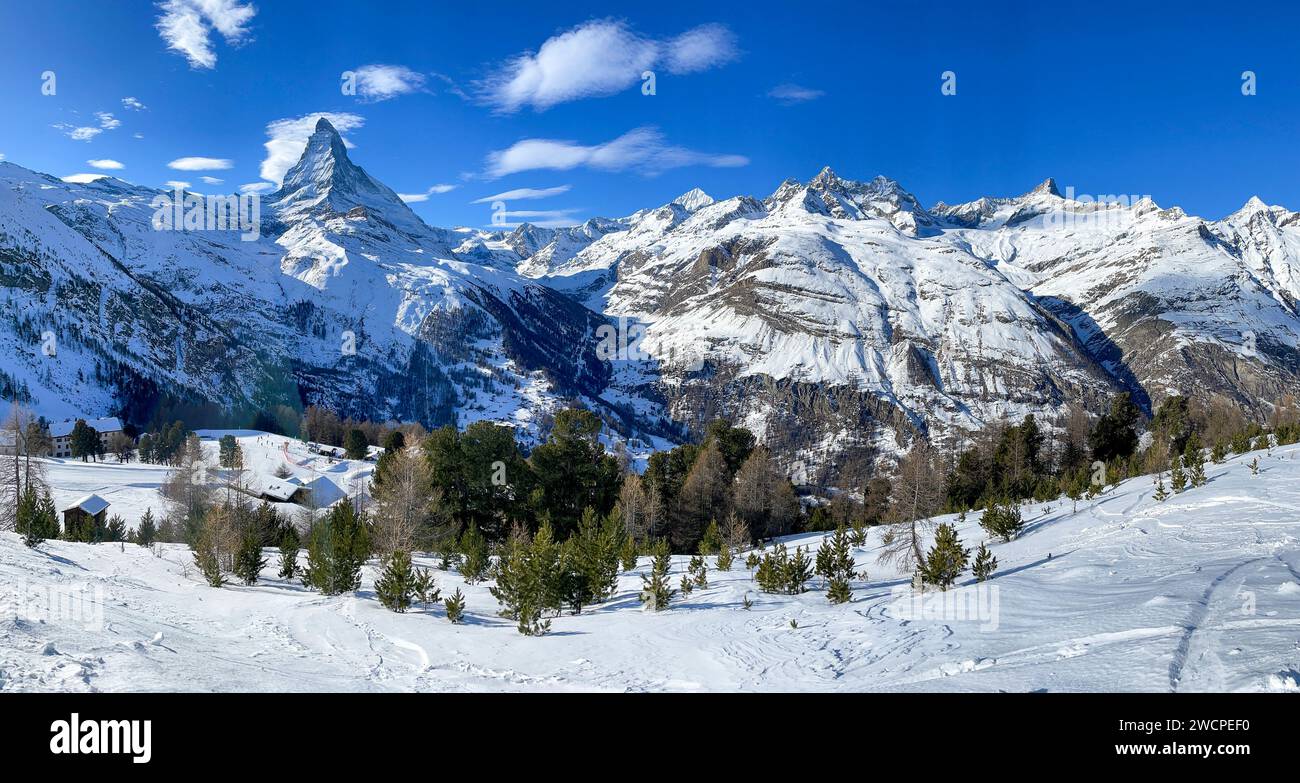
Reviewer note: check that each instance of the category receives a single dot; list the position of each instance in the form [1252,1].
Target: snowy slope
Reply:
[1200,592]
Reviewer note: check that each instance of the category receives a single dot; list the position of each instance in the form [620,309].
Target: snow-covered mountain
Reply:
[835,313]
[833,317]
[347,299]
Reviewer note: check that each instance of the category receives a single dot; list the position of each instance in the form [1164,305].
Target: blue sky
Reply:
[1123,99]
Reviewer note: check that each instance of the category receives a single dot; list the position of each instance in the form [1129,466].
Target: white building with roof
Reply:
[61,433]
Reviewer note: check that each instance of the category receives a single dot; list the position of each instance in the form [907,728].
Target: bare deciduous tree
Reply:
[917,497]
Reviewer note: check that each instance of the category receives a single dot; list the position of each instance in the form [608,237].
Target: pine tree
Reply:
[1003,520]
[1219,453]
[627,555]
[655,591]
[725,558]
[1194,457]
[687,585]
[946,559]
[1254,466]
[985,563]
[205,557]
[147,529]
[339,544]
[835,564]
[529,580]
[822,565]
[699,571]
[455,606]
[1161,494]
[426,587]
[752,561]
[712,540]
[396,586]
[838,591]
[797,572]
[859,537]
[475,559]
[289,545]
[1178,478]
[248,559]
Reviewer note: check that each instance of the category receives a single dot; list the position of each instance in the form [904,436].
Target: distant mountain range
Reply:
[833,317]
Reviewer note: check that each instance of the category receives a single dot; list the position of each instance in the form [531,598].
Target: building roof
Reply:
[273,487]
[91,504]
[63,428]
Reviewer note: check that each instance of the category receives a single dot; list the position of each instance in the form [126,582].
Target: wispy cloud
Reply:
[200,164]
[599,58]
[288,137]
[211,180]
[187,26]
[257,187]
[87,132]
[412,198]
[176,184]
[789,94]
[82,133]
[133,104]
[82,179]
[644,150]
[522,194]
[105,163]
[376,83]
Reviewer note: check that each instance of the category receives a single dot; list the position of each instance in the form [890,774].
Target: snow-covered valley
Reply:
[1200,592]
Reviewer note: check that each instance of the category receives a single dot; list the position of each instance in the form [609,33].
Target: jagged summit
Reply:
[693,199]
[326,182]
[1047,187]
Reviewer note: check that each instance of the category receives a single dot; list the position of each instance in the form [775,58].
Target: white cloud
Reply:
[83,133]
[596,59]
[257,187]
[133,104]
[411,198]
[106,120]
[200,164]
[642,149]
[793,93]
[177,184]
[380,82]
[211,180]
[187,26]
[138,135]
[105,163]
[521,194]
[82,179]
[700,49]
[288,137]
